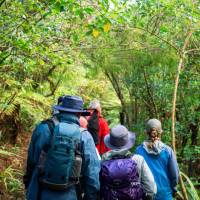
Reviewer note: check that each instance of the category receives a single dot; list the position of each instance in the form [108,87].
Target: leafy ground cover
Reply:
[12,164]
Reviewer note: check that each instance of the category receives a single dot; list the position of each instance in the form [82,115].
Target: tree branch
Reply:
[192,50]
[159,37]
[164,40]
[149,92]
[117,89]
[53,90]
[1,3]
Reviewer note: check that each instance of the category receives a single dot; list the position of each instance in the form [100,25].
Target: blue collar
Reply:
[67,117]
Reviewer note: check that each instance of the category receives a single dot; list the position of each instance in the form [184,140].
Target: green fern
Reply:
[192,192]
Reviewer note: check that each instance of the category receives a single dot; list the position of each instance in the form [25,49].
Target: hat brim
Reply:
[128,145]
[83,112]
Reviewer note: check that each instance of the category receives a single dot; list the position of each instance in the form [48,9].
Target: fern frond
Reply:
[190,188]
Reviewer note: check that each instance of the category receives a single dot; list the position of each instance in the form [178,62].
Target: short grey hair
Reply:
[94,104]
[154,123]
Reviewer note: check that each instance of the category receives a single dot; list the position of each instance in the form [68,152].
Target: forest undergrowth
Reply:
[12,166]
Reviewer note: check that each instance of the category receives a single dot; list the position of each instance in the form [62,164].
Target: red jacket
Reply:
[103,131]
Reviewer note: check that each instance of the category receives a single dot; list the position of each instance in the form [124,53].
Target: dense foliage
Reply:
[125,53]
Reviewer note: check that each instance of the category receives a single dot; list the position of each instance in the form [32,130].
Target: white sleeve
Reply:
[145,175]
[99,157]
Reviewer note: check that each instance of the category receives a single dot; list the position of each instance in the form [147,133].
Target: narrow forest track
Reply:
[12,168]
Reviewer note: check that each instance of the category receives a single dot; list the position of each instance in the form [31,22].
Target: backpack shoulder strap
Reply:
[51,123]
[120,157]
[55,120]
[81,135]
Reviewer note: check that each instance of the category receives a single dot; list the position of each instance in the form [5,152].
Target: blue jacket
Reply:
[90,165]
[162,162]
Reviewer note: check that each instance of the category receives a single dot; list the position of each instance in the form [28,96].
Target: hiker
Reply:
[161,160]
[82,120]
[59,154]
[97,126]
[124,176]
[83,124]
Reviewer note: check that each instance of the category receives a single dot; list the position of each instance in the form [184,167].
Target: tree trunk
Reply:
[115,83]
[173,135]
[136,110]
[150,95]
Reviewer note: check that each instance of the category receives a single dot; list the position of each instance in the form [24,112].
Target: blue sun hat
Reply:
[72,104]
[119,138]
